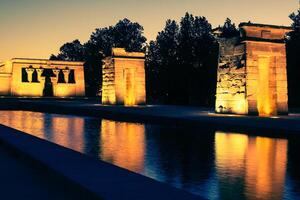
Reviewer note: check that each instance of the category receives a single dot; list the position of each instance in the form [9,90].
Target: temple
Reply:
[252,74]
[124,78]
[39,78]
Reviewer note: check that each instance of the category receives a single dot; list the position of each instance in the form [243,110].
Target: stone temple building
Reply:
[124,78]
[37,78]
[252,74]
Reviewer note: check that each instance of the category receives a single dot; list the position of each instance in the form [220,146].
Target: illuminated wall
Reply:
[124,78]
[231,79]
[252,77]
[27,77]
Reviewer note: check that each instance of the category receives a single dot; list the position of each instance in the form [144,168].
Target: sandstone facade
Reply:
[38,77]
[124,78]
[252,77]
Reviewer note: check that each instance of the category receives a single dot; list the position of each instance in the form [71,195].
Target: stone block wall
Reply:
[231,83]
[11,78]
[124,78]
[252,76]
[108,82]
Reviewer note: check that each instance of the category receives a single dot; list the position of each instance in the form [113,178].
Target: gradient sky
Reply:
[37,28]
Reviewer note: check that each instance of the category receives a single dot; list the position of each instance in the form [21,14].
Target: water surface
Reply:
[209,163]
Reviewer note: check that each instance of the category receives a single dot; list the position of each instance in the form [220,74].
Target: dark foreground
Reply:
[54,172]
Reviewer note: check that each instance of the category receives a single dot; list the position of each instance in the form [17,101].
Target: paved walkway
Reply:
[162,114]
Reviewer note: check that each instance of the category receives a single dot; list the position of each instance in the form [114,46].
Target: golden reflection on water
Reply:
[71,132]
[246,167]
[123,144]
[65,131]
[257,162]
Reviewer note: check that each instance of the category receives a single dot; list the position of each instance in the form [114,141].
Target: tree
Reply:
[125,34]
[295,17]
[229,29]
[161,64]
[129,35]
[183,57]
[293,61]
[195,45]
[71,51]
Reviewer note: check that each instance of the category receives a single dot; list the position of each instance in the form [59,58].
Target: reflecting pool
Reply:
[209,163]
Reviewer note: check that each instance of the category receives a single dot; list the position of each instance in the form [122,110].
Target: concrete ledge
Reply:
[101,180]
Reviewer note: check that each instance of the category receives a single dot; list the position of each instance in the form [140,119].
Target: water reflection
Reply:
[65,131]
[123,144]
[251,167]
[209,163]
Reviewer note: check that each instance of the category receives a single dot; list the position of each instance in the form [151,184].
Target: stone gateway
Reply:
[40,78]
[252,74]
[124,78]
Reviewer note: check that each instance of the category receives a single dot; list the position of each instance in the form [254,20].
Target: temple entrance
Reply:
[266,90]
[129,77]
[48,87]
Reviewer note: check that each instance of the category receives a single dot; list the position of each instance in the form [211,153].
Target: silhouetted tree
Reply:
[195,48]
[293,61]
[125,34]
[168,61]
[71,51]
[295,17]
[229,29]
[181,57]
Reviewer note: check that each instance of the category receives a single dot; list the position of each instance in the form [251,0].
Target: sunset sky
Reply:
[37,28]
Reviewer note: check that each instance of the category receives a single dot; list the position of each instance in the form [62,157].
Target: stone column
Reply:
[29,72]
[39,72]
[66,74]
[55,79]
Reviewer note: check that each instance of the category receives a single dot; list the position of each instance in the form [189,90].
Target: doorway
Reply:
[130,95]
[266,90]
[48,87]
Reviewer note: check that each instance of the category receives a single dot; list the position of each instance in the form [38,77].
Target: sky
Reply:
[37,28]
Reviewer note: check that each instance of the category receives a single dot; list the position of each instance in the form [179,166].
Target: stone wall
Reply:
[108,82]
[13,84]
[252,77]
[231,83]
[124,78]
[267,94]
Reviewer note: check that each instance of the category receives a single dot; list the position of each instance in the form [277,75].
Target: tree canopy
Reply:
[293,60]
[180,61]
[229,29]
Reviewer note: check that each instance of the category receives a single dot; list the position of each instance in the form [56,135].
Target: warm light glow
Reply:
[252,79]
[237,106]
[123,144]
[265,101]
[259,162]
[266,167]
[69,131]
[230,152]
[13,85]
[124,78]
[130,87]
